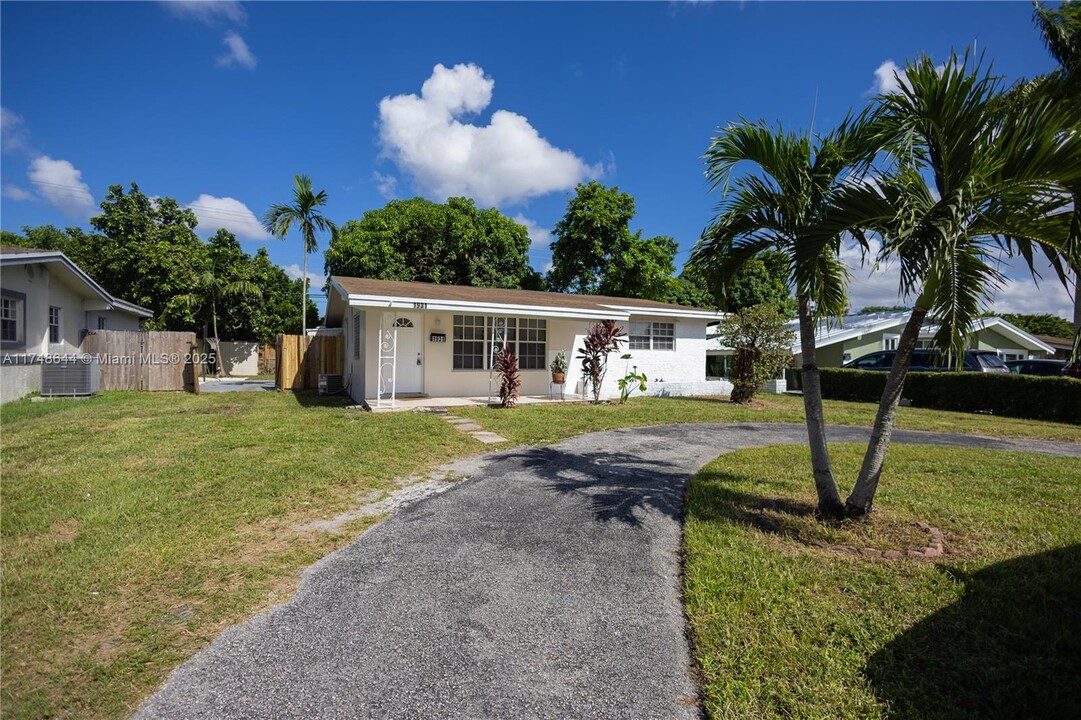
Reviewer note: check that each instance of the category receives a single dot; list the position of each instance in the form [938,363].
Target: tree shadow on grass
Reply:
[617,486]
[1009,648]
[712,499]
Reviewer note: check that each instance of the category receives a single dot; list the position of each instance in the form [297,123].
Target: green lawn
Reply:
[136,526]
[786,630]
[540,424]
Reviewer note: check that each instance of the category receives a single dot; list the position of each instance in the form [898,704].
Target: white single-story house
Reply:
[839,340]
[414,338]
[46,304]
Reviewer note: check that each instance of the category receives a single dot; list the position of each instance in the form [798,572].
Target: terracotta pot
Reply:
[559,378]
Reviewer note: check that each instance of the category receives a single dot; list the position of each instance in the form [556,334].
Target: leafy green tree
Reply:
[762,280]
[304,213]
[596,253]
[147,253]
[452,243]
[873,309]
[223,279]
[41,237]
[763,343]
[782,206]
[977,173]
[274,312]
[1042,324]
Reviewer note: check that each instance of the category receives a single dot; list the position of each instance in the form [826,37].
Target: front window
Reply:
[476,336]
[889,342]
[9,319]
[54,325]
[652,336]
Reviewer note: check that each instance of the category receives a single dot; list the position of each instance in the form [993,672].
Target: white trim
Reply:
[59,257]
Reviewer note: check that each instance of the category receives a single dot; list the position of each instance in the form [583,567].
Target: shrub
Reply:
[603,337]
[1022,396]
[762,341]
[506,364]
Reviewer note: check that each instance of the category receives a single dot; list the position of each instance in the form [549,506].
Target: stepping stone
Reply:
[460,421]
[468,427]
[488,438]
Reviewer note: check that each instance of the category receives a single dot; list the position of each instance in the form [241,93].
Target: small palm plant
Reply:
[210,290]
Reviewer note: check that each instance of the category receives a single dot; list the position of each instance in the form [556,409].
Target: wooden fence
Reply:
[268,359]
[143,360]
[301,360]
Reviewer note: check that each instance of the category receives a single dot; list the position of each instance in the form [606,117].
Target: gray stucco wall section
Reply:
[17,381]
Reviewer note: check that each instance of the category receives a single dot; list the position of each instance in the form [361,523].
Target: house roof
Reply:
[853,327]
[10,256]
[363,292]
[1056,342]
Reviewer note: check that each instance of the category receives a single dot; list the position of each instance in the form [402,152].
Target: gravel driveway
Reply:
[546,586]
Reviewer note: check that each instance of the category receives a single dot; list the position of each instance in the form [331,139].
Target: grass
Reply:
[784,629]
[136,526]
[543,424]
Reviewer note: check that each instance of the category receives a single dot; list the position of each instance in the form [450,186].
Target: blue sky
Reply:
[219,105]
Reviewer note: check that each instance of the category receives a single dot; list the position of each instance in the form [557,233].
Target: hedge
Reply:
[1007,394]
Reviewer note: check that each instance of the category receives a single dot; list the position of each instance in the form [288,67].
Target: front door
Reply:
[409,368]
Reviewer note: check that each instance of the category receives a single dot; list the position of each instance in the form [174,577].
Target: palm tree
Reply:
[1061,30]
[210,289]
[780,207]
[977,176]
[280,217]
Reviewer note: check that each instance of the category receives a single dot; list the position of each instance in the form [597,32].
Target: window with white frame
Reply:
[9,319]
[101,323]
[475,337]
[469,342]
[54,325]
[889,342]
[652,336]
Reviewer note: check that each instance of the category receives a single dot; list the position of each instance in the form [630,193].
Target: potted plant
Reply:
[558,367]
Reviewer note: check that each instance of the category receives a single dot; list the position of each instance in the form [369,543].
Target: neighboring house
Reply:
[46,304]
[1063,346]
[412,338]
[851,337]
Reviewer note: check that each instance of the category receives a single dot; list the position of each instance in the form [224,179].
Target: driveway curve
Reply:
[545,586]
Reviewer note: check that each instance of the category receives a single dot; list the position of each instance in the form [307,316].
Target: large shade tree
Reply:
[780,205]
[975,176]
[304,213]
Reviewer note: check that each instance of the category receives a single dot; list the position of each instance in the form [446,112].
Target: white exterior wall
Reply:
[239,359]
[671,372]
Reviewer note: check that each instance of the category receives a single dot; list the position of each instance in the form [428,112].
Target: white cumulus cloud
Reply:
[506,161]
[238,52]
[315,280]
[59,182]
[14,192]
[208,12]
[386,184]
[228,213]
[538,237]
[13,134]
[887,78]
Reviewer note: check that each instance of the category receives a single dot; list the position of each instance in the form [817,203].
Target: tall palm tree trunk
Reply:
[217,341]
[829,500]
[863,494]
[304,298]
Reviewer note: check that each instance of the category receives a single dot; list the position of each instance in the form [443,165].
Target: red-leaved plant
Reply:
[603,337]
[506,364]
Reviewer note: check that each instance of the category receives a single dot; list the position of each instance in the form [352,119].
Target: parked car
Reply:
[924,360]
[1036,367]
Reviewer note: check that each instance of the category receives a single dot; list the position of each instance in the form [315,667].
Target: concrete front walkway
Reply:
[546,586]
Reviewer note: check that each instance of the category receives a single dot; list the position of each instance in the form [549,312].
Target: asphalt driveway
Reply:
[546,586]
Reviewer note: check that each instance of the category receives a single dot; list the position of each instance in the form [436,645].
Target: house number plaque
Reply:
[438,337]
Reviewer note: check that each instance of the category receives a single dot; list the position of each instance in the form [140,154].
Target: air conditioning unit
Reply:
[77,375]
[330,384]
